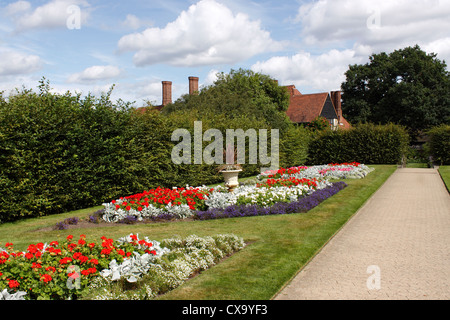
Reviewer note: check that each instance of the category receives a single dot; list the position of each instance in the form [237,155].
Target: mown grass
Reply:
[444,171]
[278,246]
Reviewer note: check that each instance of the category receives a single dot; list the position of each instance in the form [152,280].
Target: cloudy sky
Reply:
[88,45]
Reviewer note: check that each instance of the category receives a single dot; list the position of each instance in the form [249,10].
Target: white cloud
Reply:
[384,24]
[441,47]
[364,27]
[95,73]
[13,62]
[207,33]
[133,22]
[211,77]
[17,7]
[54,14]
[311,73]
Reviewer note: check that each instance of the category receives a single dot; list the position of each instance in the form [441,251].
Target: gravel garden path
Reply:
[396,247]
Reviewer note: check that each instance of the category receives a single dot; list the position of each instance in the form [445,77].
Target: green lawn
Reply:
[444,171]
[278,246]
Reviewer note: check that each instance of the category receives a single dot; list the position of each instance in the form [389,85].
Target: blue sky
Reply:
[88,45]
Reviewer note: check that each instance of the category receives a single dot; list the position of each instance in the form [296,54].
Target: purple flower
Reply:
[302,205]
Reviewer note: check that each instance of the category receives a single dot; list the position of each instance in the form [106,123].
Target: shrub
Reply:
[438,144]
[294,147]
[60,152]
[366,143]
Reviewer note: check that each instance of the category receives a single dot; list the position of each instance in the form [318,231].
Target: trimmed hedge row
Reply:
[60,153]
[438,144]
[365,143]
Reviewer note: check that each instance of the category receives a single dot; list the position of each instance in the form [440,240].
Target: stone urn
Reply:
[231,178]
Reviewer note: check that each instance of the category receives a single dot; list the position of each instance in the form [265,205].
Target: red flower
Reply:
[105,251]
[35,265]
[13,284]
[32,248]
[69,237]
[77,255]
[65,260]
[3,257]
[51,269]
[88,271]
[46,278]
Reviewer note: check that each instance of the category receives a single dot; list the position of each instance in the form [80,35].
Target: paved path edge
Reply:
[333,235]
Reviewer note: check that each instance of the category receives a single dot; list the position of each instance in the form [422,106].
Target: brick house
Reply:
[304,108]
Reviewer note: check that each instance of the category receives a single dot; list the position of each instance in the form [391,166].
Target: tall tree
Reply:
[239,94]
[408,87]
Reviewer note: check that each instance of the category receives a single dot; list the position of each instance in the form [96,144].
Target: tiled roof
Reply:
[293,90]
[306,107]
[345,124]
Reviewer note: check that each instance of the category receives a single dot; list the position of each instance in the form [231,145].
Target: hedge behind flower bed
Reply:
[302,205]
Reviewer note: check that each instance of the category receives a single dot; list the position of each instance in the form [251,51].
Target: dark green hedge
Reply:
[438,144]
[61,152]
[364,143]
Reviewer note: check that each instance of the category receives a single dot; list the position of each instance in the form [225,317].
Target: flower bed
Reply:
[181,203]
[303,204]
[353,170]
[72,269]
[280,186]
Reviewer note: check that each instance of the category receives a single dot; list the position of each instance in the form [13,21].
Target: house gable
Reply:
[328,110]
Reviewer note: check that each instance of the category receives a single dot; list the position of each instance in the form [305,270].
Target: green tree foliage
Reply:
[239,94]
[319,124]
[407,87]
[243,100]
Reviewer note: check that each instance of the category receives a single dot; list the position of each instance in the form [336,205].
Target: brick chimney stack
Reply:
[336,98]
[193,85]
[166,92]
